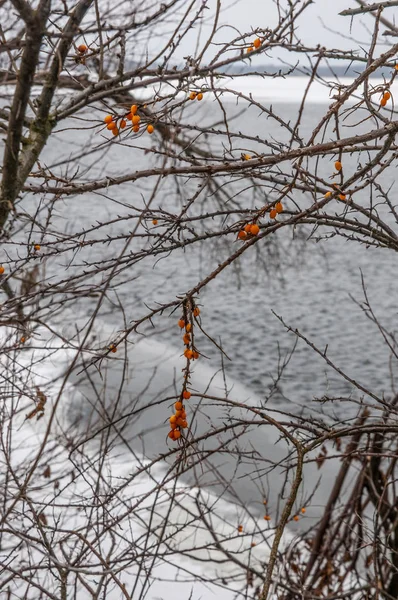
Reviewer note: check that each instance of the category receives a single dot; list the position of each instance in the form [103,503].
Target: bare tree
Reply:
[133,184]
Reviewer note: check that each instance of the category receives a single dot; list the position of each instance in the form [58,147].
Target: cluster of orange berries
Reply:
[385,98]
[190,353]
[112,122]
[178,420]
[255,45]
[196,96]
[249,230]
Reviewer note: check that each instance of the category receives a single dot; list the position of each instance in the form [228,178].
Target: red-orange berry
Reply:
[136,128]
[37,247]
[82,48]
[181,323]
[177,434]
[154,221]
[267,518]
[247,227]
[187,338]
[188,327]
[195,355]
[250,49]
[111,125]
[279,207]
[178,405]
[108,119]
[123,124]
[133,109]
[129,117]
[188,354]
[150,129]
[196,311]
[257,43]
[254,229]
[338,166]
[242,235]
[136,119]
[273,213]
[199,96]
[2,269]
[240,528]
[296,518]
[192,95]
[186,394]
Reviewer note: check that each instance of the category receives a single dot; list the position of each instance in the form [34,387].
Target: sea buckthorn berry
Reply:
[188,327]
[186,339]
[199,96]
[188,354]
[192,95]
[129,117]
[342,196]
[195,355]
[150,129]
[123,124]
[37,247]
[2,269]
[250,49]
[196,311]
[257,43]
[108,119]
[248,227]
[246,157]
[115,131]
[240,528]
[279,207]
[267,518]
[177,434]
[136,128]
[273,213]
[111,125]
[154,221]
[328,194]
[136,119]
[303,510]
[171,434]
[183,414]
[386,95]
[242,235]
[186,394]
[172,419]
[338,166]
[396,67]
[254,229]
[22,340]
[296,518]
[82,48]
[181,323]
[113,348]
[383,102]
[184,424]
[178,405]
[133,109]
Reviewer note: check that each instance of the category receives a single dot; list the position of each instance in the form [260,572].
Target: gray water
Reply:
[310,285]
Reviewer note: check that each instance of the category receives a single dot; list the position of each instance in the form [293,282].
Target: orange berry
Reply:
[180,421]
[338,166]
[186,394]
[177,434]
[186,339]
[242,235]
[254,229]
[22,340]
[115,131]
[171,434]
[184,424]
[82,48]
[183,414]
[111,125]
[172,419]
[136,119]
[273,213]
[113,348]
[199,96]
[188,327]
[267,518]
[386,95]
[129,117]
[250,49]
[37,247]
[257,43]
[279,207]
[296,518]
[108,119]
[136,128]
[192,95]
[303,510]
[123,124]
[178,405]
[196,311]
[195,355]
[342,196]
[181,323]
[328,194]
[240,528]
[383,102]
[246,157]
[150,129]
[396,67]
[2,269]
[188,354]
[154,221]
[248,227]
[133,109]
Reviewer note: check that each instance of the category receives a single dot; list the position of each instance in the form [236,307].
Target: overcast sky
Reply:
[319,24]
